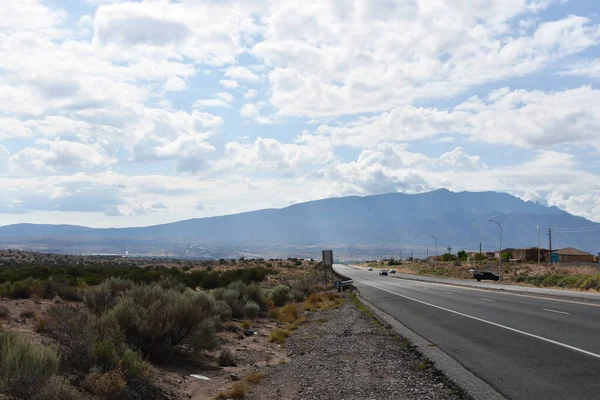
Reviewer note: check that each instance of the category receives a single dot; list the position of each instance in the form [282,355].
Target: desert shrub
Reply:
[552,279]
[237,391]
[254,377]
[254,293]
[280,295]
[239,286]
[71,330]
[142,388]
[59,388]
[105,384]
[155,320]
[24,367]
[591,282]
[251,309]
[104,296]
[22,289]
[223,310]
[4,312]
[226,358]
[289,313]
[42,324]
[278,335]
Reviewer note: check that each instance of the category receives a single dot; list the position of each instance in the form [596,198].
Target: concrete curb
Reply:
[474,386]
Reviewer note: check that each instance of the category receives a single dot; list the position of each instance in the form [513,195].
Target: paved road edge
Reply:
[469,382]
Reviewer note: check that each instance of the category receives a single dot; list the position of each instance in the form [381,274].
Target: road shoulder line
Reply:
[456,372]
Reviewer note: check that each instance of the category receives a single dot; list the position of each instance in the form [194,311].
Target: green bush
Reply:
[280,295]
[251,309]
[155,321]
[255,294]
[223,310]
[24,367]
[104,296]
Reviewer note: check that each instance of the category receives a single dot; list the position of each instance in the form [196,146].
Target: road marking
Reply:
[484,299]
[449,292]
[558,312]
[589,353]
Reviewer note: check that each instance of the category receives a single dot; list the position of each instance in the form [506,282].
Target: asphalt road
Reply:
[526,348]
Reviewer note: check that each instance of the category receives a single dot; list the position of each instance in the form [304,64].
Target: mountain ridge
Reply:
[392,220]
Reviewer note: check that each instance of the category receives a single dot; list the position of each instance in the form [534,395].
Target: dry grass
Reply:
[322,301]
[288,313]
[237,391]
[42,324]
[254,378]
[296,324]
[278,335]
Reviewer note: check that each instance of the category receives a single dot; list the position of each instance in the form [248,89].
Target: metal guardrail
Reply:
[341,285]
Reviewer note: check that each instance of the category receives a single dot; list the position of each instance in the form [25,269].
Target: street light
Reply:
[500,253]
[435,250]
[539,267]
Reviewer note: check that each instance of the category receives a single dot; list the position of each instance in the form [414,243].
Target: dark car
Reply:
[383,272]
[485,275]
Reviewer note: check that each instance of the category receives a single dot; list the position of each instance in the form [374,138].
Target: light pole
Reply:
[500,253]
[435,249]
[539,268]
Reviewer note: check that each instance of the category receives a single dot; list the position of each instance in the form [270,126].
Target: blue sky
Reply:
[127,113]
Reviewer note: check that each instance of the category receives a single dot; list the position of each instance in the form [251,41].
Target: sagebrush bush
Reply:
[155,320]
[289,313]
[104,296]
[251,309]
[223,310]
[226,358]
[280,295]
[59,388]
[70,328]
[25,367]
[254,293]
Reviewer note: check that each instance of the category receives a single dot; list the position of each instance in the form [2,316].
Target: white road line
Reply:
[589,353]
[449,292]
[558,312]
[484,299]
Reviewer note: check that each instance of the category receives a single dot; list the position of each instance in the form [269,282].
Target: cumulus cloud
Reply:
[174,84]
[229,83]
[252,111]
[241,74]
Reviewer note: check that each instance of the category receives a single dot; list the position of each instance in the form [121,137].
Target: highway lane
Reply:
[526,348]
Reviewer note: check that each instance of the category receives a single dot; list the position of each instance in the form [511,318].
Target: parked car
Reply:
[486,275]
[370,269]
[392,271]
[383,272]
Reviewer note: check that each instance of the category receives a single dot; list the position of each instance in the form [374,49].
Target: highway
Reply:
[526,348]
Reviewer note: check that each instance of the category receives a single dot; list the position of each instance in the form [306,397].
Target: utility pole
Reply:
[435,249]
[427,258]
[500,253]
[550,245]
[539,267]
[400,255]
[479,248]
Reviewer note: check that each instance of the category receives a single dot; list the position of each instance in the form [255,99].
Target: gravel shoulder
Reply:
[346,354]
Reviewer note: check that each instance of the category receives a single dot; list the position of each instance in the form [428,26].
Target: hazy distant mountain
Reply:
[381,222]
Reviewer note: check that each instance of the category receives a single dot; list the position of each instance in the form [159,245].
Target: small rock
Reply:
[234,377]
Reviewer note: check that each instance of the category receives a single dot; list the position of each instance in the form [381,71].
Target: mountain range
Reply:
[353,226]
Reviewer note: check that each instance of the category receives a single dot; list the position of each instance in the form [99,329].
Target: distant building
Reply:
[525,255]
[570,254]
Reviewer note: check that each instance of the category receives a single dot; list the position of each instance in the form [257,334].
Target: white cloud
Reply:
[59,156]
[241,74]
[184,138]
[229,83]
[458,159]
[174,84]
[589,68]
[252,111]
[442,50]
[250,94]
[225,96]
[202,103]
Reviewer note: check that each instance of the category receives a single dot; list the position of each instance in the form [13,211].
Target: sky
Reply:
[132,113]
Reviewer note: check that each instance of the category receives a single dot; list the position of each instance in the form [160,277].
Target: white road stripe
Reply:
[589,353]
[449,292]
[484,299]
[558,312]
